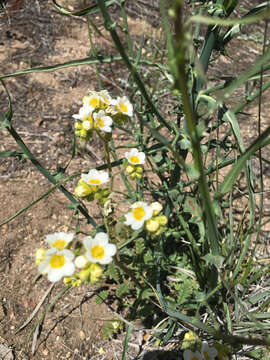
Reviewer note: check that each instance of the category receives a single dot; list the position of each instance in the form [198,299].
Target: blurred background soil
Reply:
[35,34]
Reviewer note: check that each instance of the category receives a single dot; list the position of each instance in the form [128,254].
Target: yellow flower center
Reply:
[94,182]
[123,108]
[206,355]
[97,252]
[59,244]
[194,358]
[100,122]
[93,102]
[134,159]
[57,261]
[138,213]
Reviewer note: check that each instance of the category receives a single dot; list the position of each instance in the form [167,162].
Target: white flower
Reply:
[105,97]
[84,113]
[189,355]
[57,264]
[95,177]
[140,212]
[59,240]
[123,106]
[92,101]
[135,157]
[99,249]
[208,353]
[115,325]
[103,121]
[101,351]
[81,261]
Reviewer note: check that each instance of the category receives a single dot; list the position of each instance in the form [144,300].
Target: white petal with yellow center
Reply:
[84,113]
[123,106]
[102,121]
[140,212]
[135,157]
[92,101]
[95,177]
[59,240]
[57,264]
[98,249]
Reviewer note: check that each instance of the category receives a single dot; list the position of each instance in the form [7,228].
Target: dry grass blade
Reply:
[35,337]
[36,309]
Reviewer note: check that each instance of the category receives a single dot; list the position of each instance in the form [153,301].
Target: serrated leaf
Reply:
[147,257]
[139,246]
[113,272]
[122,290]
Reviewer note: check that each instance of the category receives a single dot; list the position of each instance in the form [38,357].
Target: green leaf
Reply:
[214,259]
[139,246]
[122,290]
[113,272]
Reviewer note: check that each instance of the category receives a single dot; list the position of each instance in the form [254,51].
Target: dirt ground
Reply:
[35,34]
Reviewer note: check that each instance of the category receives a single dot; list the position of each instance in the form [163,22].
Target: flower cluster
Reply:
[133,163]
[89,186]
[141,213]
[99,112]
[59,261]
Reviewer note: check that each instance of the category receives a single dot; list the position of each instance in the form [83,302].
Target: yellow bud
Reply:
[95,272]
[162,220]
[152,225]
[139,169]
[40,256]
[138,176]
[156,207]
[78,125]
[68,279]
[84,274]
[83,133]
[81,191]
[190,341]
[130,169]
[76,282]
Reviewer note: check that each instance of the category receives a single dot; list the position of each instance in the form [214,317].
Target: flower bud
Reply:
[130,169]
[81,262]
[81,191]
[152,225]
[162,220]
[156,207]
[84,275]
[95,272]
[78,125]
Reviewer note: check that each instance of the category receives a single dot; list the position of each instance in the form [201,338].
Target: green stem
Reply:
[181,84]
